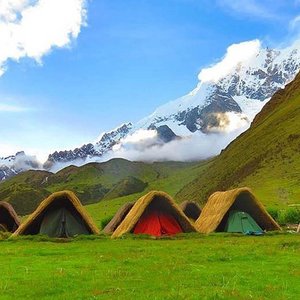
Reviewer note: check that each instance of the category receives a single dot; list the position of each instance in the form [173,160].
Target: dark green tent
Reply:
[61,222]
[60,215]
[239,221]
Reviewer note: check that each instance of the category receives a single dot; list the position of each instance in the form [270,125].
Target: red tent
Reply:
[157,223]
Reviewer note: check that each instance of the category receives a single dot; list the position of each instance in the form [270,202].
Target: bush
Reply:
[288,216]
[292,215]
[105,221]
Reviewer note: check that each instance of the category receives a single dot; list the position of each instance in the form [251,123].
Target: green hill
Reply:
[127,186]
[94,182]
[265,157]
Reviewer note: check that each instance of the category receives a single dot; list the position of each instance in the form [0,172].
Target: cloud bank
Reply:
[145,145]
[33,28]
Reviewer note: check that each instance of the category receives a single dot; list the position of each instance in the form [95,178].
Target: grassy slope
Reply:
[265,158]
[197,267]
[91,182]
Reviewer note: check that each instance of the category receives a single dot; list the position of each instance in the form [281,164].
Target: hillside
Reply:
[265,157]
[92,182]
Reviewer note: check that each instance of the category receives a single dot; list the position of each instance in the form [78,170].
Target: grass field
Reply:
[193,266]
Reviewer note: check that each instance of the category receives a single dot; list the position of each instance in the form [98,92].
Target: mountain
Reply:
[265,157]
[12,165]
[106,142]
[222,102]
[216,105]
[91,182]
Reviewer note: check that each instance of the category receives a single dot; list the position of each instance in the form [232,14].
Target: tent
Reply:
[155,214]
[118,218]
[217,211]
[242,222]
[60,215]
[191,209]
[9,220]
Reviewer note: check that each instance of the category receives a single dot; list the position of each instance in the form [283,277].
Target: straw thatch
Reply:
[191,209]
[118,218]
[8,217]
[215,213]
[33,222]
[159,200]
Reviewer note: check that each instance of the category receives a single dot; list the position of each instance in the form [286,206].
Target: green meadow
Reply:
[192,266]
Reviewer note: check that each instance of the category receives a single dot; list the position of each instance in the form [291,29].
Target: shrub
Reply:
[289,216]
[292,215]
[105,221]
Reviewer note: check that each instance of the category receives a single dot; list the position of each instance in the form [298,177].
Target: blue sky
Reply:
[129,57]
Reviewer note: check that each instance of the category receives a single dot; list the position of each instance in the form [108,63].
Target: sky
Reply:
[72,69]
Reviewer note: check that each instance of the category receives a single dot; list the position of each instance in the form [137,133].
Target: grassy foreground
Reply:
[191,267]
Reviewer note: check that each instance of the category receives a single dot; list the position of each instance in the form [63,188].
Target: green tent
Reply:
[60,222]
[239,221]
[60,215]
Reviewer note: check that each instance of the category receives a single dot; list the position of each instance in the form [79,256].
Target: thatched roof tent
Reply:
[215,213]
[9,219]
[153,200]
[65,199]
[118,218]
[191,209]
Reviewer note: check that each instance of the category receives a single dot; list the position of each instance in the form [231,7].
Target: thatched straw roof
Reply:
[191,209]
[118,218]
[163,202]
[219,204]
[34,220]
[8,217]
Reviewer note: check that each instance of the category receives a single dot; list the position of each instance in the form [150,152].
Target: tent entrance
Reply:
[60,222]
[157,223]
[239,221]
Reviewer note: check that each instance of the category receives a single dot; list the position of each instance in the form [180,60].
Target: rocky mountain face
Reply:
[104,144]
[12,165]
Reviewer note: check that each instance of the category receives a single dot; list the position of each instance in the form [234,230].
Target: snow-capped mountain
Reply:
[244,90]
[241,91]
[12,165]
[105,143]
[228,96]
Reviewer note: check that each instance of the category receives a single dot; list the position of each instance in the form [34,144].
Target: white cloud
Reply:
[32,28]
[195,147]
[236,53]
[145,145]
[139,140]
